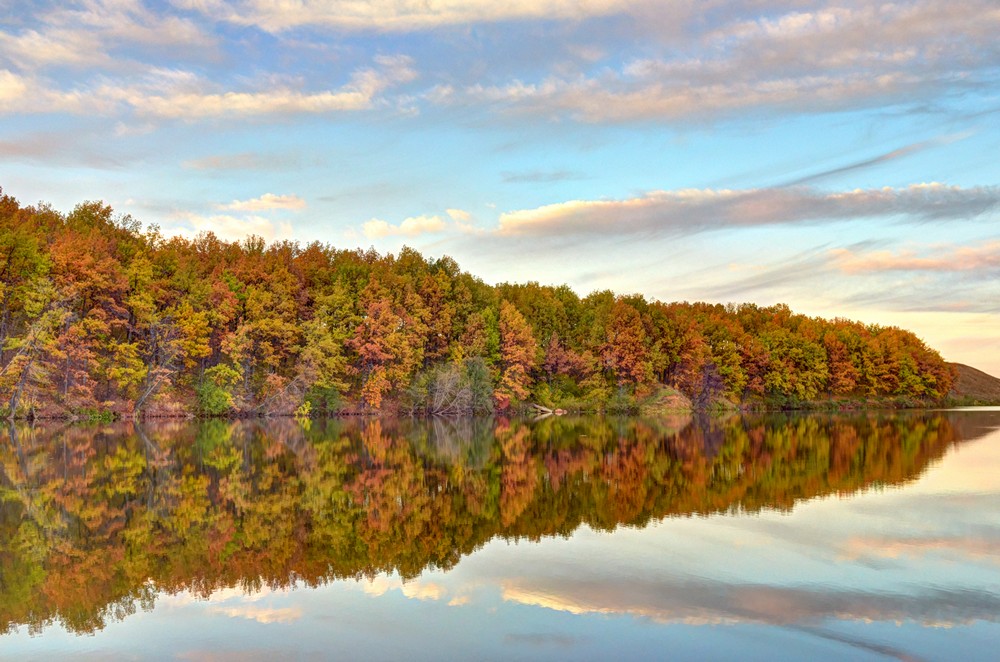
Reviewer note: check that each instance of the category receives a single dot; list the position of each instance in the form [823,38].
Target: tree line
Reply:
[99,315]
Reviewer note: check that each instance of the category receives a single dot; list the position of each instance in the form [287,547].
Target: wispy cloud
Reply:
[708,602]
[394,15]
[33,49]
[186,98]
[63,148]
[742,281]
[181,95]
[249,161]
[984,259]
[266,202]
[885,157]
[540,176]
[797,58]
[86,33]
[21,93]
[696,210]
[984,547]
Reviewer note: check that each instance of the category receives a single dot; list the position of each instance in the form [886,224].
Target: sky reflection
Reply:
[907,572]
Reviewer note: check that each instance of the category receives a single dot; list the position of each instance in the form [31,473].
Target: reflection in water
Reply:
[97,522]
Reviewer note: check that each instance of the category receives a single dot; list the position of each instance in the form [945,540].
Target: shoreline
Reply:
[527,410]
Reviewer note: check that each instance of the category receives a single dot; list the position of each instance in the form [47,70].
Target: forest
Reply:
[101,317]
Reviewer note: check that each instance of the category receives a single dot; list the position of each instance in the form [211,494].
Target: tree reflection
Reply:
[96,521]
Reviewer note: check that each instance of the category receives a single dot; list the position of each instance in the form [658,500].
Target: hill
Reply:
[974,386]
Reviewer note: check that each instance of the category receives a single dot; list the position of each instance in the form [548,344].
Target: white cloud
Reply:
[459,215]
[376,228]
[266,202]
[233,228]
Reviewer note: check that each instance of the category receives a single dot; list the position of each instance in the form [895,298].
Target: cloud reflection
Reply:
[707,602]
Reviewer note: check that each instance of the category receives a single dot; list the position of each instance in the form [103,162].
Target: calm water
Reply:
[874,536]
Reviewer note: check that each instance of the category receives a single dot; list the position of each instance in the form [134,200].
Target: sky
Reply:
[840,157]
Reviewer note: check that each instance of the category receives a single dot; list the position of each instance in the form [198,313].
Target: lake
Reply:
[837,536]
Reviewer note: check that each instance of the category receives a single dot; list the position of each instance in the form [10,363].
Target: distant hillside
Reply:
[974,385]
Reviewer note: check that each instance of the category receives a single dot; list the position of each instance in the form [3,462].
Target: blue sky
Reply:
[838,157]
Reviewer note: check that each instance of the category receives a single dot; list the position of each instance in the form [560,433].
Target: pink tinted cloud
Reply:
[952,259]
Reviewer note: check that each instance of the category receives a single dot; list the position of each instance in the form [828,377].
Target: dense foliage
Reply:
[98,315]
[96,521]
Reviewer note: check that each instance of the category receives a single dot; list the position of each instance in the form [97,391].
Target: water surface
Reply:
[871,536]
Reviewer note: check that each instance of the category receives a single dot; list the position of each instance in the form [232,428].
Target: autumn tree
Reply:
[518,354]
[384,349]
[624,351]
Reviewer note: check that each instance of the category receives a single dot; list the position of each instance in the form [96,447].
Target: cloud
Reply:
[751,280]
[886,157]
[181,95]
[359,93]
[791,60]
[241,161]
[380,584]
[619,98]
[249,161]
[233,228]
[86,33]
[29,94]
[31,48]
[712,602]
[415,589]
[984,547]
[984,258]
[694,65]
[540,176]
[260,614]
[411,227]
[396,15]
[458,215]
[695,210]
[243,595]
[63,148]
[544,639]
[266,202]
[422,590]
